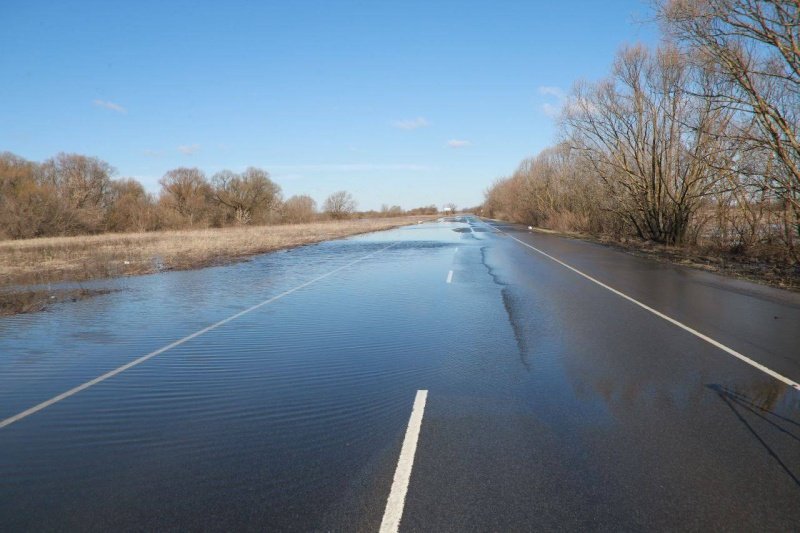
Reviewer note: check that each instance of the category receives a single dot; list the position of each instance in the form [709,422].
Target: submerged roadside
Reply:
[28,265]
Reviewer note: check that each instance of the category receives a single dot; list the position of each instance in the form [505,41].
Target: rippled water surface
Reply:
[293,400]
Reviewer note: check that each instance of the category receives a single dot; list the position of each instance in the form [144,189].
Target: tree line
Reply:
[693,142]
[73,194]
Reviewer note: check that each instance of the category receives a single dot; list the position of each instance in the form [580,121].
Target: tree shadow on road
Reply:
[761,407]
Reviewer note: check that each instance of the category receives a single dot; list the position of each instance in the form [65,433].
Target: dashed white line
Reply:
[669,319]
[64,395]
[402,475]
[450,276]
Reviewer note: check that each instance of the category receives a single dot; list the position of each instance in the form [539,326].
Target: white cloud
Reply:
[188,149]
[580,105]
[458,143]
[411,123]
[553,109]
[550,90]
[351,167]
[110,105]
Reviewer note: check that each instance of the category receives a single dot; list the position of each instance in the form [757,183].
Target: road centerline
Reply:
[71,392]
[661,315]
[402,475]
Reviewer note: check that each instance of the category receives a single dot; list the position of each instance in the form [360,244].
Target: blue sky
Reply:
[399,102]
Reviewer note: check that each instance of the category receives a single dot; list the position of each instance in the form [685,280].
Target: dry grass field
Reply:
[54,259]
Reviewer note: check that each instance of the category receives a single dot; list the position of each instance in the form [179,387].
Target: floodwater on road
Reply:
[275,419]
[551,404]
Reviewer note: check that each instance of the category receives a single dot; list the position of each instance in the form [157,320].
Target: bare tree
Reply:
[391,211]
[187,192]
[650,141]
[424,210]
[130,208]
[84,180]
[82,183]
[28,208]
[684,144]
[753,46]
[299,209]
[339,205]
[555,189]
[250,196]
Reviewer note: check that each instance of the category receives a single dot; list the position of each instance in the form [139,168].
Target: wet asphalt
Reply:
[553,403]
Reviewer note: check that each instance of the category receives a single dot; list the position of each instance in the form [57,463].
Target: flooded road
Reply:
[552,403]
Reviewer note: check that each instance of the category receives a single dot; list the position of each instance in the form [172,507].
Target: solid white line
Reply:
[112,373]
[450,276]
[669,319]
[402,475]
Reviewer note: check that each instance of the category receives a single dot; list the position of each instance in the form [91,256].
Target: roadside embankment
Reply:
[780,274]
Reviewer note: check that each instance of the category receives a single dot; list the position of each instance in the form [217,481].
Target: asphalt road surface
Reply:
[450,376]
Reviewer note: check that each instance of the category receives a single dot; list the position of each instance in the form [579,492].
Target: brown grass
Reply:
[46,260]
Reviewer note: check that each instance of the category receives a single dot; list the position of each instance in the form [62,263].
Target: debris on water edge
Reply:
[34,301]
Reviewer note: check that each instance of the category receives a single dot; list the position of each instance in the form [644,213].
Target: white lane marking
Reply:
[112,373]
[450,276]
[402,475]
[669,319]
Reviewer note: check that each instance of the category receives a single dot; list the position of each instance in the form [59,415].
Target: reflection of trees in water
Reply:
[637,385]
[765,396]
[760,402]
[767,409]
[634,387]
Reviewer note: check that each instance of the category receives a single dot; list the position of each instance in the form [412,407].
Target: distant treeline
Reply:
[693,143]
[72,194]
